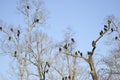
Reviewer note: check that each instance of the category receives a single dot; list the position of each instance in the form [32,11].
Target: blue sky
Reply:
[84,17]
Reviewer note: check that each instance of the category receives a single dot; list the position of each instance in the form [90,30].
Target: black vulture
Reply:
[66,46]
[18,33]
[116,38]
[101,32]
[111,29]
[9,38]
[11,29]
[15,54]
[60,49]
[69,77]
[28,7]
[81,54]
[0,28]
[93,44]
[89,53]
[72,39]
[76,53]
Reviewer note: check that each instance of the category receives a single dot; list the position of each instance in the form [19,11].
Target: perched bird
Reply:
[11,29]
[28,7]
[62,78]
[101,32]
[89,53]
[105,27]
[111,29]
[72,39]
[9,38]
[18,33]
[81,54]
[76,53]
[66,46]
[0,28]
[116,38]
[69,77]
[60,49]
[36,20]
[15,54]
[93,44]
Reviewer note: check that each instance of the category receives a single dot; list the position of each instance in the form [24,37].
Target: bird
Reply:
[72,39]
[101,32]
[0,28]
[89,53]
[66,46]
[62,78]
[9,38]
[69,77]
[76,53]
[105,27]
[93,44]
[27,7]
[116,38]
[11,29]
[81,54]
[111,29]
[18,33]
[60,49]
[36,20]
[15,54]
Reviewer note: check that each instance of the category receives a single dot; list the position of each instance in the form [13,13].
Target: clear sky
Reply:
[84,17]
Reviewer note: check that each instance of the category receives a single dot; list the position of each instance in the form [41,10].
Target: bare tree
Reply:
[17,42]
[111,61]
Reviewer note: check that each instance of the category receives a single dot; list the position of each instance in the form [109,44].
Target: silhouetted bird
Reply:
[111,29]
[28,7]
[69,77]
[9,38]
[66,46]
[60,49]
[89,53]
[11,29]
[101,32]
[116,37]
[36,20]
[72,39]
[93,44]
[105,27]
[18,33]
[0,28]
[62,78]
[76,53]
[81,54]
[15,54]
